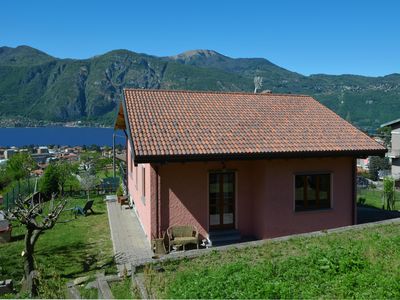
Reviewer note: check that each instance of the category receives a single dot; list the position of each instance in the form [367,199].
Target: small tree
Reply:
[64,171]
[19,166]
[50,181]
[5,178]
[88,182]
[386,134]
[377,163]
[389,192]
[30,215]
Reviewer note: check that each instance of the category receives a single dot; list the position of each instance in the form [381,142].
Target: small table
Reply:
[124,201]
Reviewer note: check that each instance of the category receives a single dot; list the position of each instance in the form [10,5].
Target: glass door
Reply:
[222,200]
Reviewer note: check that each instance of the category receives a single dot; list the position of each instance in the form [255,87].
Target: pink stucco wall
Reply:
[264,196]
[273,197]
[142,204]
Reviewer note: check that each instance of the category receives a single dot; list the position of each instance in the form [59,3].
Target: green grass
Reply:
[88,293]
[124,289]
[73,248]
[373,197]
[354,264]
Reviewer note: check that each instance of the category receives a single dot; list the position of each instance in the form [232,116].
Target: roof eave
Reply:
[139,159]
[128,130]
[390,123]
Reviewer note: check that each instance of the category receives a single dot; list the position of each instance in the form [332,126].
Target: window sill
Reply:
[310,211]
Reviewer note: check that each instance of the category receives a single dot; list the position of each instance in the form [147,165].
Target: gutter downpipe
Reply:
[158,214]
[354,190]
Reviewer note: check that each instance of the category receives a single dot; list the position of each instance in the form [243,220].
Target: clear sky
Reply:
[333,37]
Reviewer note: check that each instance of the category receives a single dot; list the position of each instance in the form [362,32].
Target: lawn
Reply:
[124,289]
[373,197]
[363,263]
[73,248]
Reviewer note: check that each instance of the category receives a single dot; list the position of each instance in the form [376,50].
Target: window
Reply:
[136,178]
[143,182]
[131,162]
[312,192]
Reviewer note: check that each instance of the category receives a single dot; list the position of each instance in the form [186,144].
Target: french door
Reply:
[222,200]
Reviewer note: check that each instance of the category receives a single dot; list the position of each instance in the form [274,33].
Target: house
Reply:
[394,151]
[2,153]
[9,153]
[42,150]
[261,165]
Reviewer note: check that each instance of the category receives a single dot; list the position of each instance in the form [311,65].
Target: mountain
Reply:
[23,56]
[36,86]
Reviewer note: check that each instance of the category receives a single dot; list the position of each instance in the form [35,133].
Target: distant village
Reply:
[43,155]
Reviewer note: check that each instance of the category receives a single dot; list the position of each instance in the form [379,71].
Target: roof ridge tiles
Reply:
[216,92]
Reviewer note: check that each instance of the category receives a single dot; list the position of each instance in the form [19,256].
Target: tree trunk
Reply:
[29,265]
[31,237]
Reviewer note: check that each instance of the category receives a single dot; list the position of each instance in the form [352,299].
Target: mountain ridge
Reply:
[38,86]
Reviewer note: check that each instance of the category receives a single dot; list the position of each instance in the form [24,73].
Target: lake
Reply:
[72,136]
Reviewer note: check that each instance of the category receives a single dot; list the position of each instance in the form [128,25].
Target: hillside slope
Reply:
[37,86]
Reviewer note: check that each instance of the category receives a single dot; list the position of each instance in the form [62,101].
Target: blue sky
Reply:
[334,37]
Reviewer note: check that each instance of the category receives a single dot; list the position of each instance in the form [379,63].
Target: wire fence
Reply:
[25,188]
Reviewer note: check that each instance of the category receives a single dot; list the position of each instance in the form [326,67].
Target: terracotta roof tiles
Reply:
[185,123]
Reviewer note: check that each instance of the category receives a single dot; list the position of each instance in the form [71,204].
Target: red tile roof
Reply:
[166,125]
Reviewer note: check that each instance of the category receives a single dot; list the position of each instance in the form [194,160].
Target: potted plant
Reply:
[120,193]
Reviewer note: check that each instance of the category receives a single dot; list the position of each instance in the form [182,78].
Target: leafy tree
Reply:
[101,164]
[4,177]
[50,181]
[19,166]
[377,163]
[65,171]
[94,163]
[95,147]
[386,134]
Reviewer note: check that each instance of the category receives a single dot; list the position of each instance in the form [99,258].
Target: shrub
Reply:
[388,192]
[361,200]
[120,191]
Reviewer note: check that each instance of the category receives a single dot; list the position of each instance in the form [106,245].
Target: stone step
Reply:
[224,237]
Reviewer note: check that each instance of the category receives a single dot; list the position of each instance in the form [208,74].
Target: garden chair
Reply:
[182,235]
[77,210]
